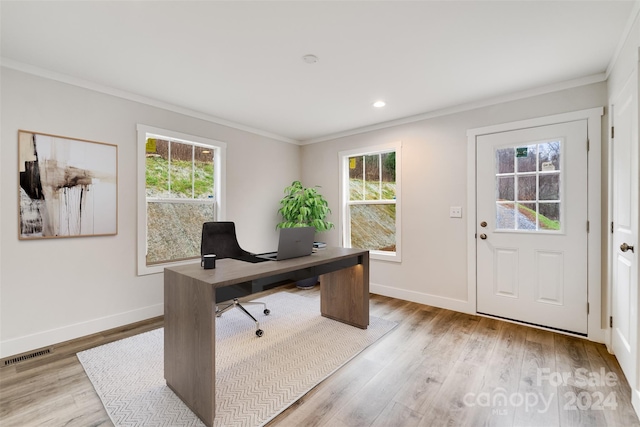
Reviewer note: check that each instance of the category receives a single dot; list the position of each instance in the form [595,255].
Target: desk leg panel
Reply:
[189,342]
[344,294]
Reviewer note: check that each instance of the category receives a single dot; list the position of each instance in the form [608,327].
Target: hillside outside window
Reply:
[370,194]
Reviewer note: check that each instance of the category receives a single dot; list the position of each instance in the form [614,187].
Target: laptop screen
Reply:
[295,242]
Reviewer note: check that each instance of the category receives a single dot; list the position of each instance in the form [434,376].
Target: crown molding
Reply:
[75,81]
[583,81]
[626,33]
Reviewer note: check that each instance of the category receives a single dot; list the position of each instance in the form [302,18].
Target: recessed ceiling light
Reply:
[379,104]
[310,59]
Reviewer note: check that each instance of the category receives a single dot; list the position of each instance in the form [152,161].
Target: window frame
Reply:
[345,216]
[219,202]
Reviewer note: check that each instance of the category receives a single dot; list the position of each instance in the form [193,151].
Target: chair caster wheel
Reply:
[267,311]
[259,332]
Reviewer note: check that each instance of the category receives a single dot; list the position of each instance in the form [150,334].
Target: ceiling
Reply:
[241,62]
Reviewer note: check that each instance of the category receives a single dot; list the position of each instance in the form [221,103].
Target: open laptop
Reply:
[293,243]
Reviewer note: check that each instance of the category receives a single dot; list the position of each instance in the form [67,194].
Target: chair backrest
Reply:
[219,238]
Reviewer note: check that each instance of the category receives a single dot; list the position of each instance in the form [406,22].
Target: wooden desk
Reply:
[189,311]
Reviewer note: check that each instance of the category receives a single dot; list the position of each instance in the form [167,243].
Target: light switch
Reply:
[455,212]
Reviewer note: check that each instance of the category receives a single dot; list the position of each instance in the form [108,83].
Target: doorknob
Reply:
[483,236]
[624,248]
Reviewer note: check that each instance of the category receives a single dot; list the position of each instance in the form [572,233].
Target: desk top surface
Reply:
[230,271]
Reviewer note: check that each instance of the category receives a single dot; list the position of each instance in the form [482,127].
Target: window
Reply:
[528,187]
[370,194]
[179,188]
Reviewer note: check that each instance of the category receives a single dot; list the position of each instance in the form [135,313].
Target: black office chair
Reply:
[219,238]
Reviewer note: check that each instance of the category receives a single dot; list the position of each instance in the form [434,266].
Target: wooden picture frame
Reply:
[68,187]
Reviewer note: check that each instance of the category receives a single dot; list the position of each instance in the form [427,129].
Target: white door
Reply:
[624,286]
[532,225]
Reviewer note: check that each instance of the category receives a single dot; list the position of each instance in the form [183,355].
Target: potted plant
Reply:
[304,207]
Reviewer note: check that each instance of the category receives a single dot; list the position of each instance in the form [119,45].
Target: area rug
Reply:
[256,378]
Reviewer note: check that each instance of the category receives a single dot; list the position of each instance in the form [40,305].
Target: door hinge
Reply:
[587,308]
[611,227]
[587,226]
[611,321]
[612,132]
[588,144]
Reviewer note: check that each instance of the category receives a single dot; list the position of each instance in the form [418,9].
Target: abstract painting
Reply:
[68,187]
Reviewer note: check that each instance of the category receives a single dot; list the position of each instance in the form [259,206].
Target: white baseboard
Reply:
[422,298]
[55,336]
[635,401]
[607,340]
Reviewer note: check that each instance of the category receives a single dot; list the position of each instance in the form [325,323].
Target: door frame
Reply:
[595,322]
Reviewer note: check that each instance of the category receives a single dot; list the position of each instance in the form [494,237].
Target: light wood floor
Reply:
[437,368]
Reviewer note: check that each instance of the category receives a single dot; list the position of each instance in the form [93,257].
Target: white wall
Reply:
[434,161]
[58,289]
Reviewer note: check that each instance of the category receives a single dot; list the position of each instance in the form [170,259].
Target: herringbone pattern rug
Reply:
[256,378]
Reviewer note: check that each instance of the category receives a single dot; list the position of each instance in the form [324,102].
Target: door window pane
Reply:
[526,158]
[534,185]
[549,156]
[550,187]
[527,187]
[505,160]
[506,190]
[526,216]
[550,216]
[505,216]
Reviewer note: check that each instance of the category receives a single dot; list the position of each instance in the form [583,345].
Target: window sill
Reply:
[144,270]
[385,256]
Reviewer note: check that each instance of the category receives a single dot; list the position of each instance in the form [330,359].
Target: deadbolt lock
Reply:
[483,224]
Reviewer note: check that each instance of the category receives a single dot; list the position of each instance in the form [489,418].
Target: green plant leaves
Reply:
[304,207]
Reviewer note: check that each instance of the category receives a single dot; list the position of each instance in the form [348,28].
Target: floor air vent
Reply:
[26,357]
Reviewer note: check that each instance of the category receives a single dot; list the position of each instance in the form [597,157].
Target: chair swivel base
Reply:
[236,304]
